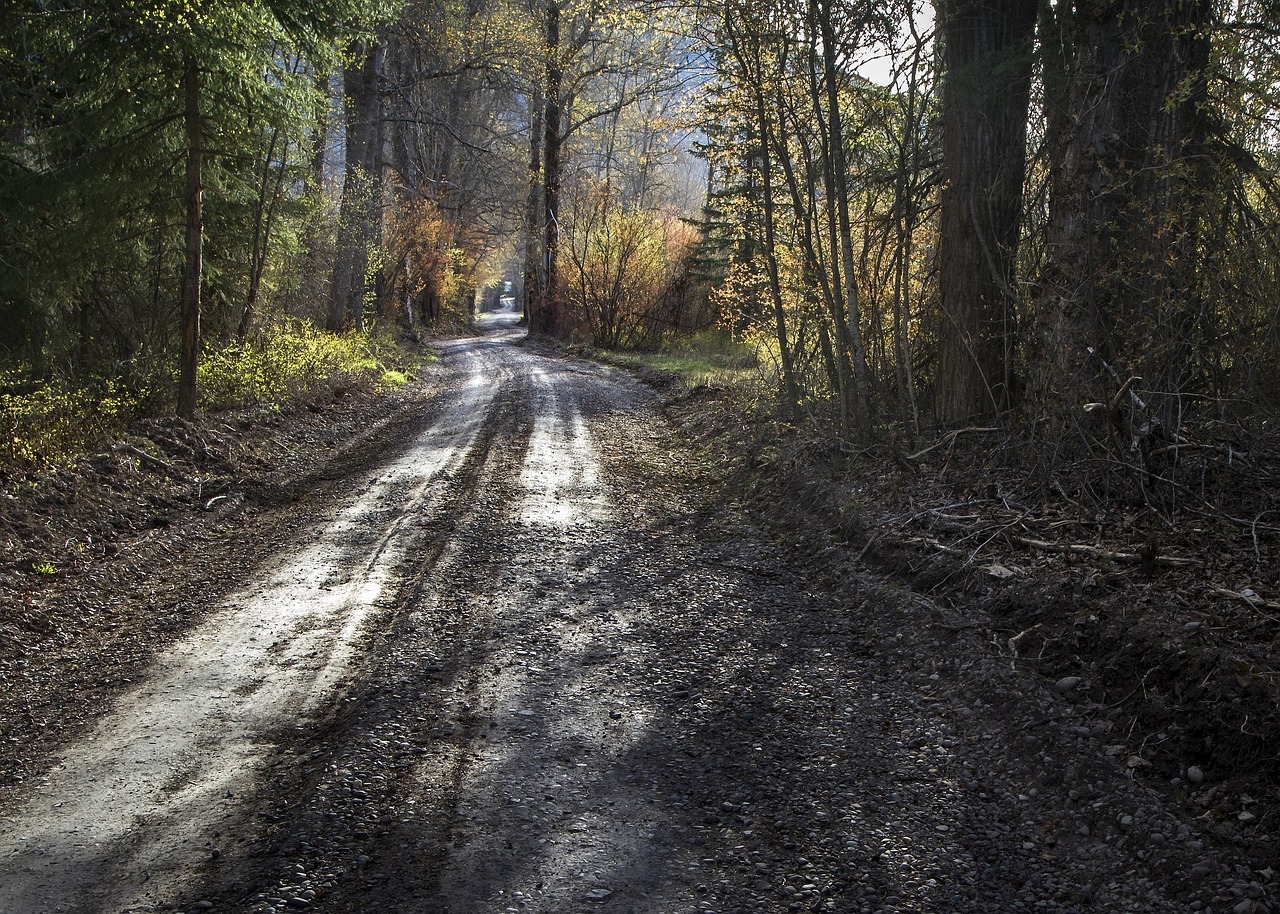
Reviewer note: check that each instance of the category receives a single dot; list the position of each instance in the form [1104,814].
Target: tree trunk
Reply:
[986,90]
[361,188]
[790,388]
[1121,246]
[838,190]
[532,293]
[824,168]
[269,193]
[906,207]
[194,252]
[548,316]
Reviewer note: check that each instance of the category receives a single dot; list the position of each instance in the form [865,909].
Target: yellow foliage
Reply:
[433,263]
[621,261]
[53,421]
[57,421]
[284,361]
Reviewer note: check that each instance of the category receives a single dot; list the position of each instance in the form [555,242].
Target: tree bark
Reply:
[547,319]
[986,91]
[533,283]
[361,188]
[194,249]
[1122,235]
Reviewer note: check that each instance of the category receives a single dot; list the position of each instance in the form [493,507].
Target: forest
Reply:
[655,455]
[1057,220]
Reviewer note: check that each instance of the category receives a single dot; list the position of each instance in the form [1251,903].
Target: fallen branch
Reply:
[156,463]
[1013,642]
[1123,558]
[1232,453]
[1255,601]
[949,438]
[148,459]
[934,544]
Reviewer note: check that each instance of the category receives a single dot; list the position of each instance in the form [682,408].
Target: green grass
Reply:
[691,368]
[708,357]
[59,420]
[393,378]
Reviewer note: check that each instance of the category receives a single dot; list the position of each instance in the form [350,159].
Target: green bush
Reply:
[49,422]
[54,421]
[285,361]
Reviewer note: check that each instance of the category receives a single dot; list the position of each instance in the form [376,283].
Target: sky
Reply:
[878,67]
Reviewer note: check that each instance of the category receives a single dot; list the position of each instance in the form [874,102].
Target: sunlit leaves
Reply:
[620,261]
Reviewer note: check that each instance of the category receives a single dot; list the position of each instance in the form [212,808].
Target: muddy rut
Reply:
[529,662]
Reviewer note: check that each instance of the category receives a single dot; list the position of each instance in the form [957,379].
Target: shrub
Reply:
[49,422]
[285,361]
[53,421]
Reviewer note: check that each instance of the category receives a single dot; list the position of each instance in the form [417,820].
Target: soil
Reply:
[534,635]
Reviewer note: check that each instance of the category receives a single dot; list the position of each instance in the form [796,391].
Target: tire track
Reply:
[124,817]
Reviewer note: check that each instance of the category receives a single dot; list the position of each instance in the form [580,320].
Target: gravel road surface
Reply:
[528,661]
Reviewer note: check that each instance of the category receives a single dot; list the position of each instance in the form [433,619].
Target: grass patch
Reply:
[693,369]
[393,378]
[710,357]
[49,422]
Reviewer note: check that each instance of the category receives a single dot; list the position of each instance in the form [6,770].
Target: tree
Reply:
[120,154]
[1122,242]
[987,53]
[755,52]
[826,89]
[546,317]
[796,100]
[360,213]
[193,264]
[594,64]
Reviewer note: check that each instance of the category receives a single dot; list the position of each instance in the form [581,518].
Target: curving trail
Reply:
[529,664]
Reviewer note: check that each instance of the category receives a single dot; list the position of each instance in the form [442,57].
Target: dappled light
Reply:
[545,456]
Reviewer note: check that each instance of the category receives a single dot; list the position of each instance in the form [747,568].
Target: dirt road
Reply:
[526,662]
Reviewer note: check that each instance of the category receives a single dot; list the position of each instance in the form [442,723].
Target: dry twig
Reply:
[1123,558]
[950,438]
[1254,601]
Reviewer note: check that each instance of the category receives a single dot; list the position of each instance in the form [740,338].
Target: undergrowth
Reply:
[54,421]
[712,357]
[294,358]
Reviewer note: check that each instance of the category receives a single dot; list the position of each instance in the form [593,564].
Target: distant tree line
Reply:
[175,174]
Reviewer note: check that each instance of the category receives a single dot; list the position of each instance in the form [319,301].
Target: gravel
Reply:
[600,687]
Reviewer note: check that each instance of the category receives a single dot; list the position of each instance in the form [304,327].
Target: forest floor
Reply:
[532,635]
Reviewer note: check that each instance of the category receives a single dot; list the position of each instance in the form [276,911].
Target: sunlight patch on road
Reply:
[145,791]
[547,809]
[561,472]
